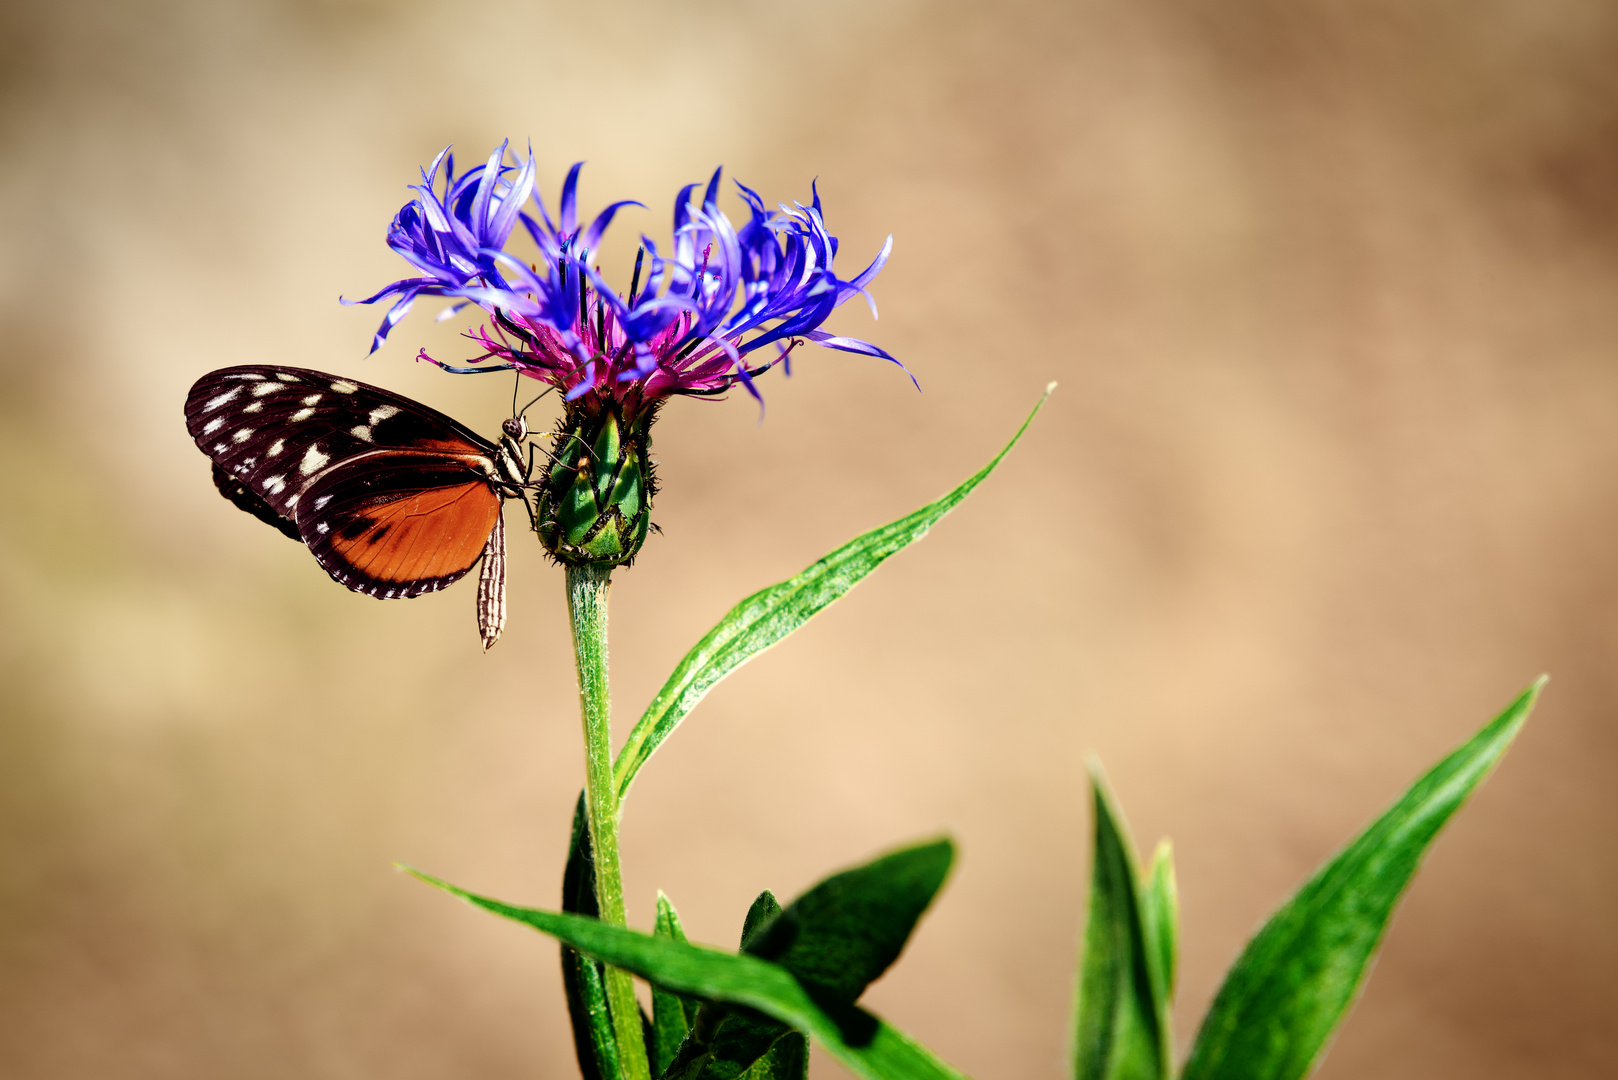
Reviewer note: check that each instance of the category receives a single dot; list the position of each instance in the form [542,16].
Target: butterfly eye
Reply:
[516,427]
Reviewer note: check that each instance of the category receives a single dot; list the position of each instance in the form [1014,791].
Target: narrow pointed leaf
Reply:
[1160,903]
[593,1040]
[865,1045]
[769,615]
[602,1045]
[1119,1017]
[1298,976]
[672,1015]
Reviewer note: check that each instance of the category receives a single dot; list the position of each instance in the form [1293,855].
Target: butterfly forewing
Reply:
[237,492]
[277,430]
[398,524]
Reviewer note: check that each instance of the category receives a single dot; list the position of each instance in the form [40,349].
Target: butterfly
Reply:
[393,498]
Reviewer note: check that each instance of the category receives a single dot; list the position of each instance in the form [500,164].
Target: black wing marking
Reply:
[279,429]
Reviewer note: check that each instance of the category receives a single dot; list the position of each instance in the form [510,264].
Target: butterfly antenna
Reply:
[528,406]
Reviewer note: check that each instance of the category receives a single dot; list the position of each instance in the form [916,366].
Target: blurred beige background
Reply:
[1332,473]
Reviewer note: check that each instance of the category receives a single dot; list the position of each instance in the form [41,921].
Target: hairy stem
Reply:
[587,588]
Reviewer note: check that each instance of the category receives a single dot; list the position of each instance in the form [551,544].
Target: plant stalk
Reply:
[587,588]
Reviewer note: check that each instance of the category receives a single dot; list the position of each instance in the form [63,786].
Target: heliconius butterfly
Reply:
[393,498]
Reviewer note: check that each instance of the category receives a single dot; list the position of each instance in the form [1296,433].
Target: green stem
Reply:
[587,588]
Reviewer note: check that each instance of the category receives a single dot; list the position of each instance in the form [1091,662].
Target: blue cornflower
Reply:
[691,320]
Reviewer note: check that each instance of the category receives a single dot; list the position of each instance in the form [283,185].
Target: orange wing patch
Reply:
[425,538]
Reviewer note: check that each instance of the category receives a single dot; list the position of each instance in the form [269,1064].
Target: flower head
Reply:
[719,308]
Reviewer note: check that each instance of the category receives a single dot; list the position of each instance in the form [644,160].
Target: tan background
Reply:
[1333,472]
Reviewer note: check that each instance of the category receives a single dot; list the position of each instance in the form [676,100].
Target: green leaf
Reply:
[1160,908]
[764,908]
[582,980]
[1120,1014]
[1298,976]
[769,615]
[730,1041]
[863,1043]
[835,939]
[788,1059]
[672,1015]
[841,935]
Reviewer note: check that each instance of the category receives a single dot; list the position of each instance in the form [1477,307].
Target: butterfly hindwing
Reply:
[398,524]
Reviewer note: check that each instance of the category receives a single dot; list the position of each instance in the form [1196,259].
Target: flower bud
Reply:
[596,503]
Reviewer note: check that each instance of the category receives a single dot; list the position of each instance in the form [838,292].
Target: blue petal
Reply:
[568,219]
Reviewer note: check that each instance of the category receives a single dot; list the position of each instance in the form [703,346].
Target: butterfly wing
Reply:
[398,523]
[405,502]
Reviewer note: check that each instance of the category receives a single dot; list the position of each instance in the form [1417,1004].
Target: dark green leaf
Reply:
[672,1015]
[864,1044]
[725,1042]
[728,1041]
[1120,1016]
[582,980]
[764,908]
[788,1059]
[1297,977]
[836,939]
[766,617]
[841,935]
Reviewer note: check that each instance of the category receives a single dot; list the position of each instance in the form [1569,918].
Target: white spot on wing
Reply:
[342,387]
[254,406]
[275,485]
[312,399]
[303,414]
[213,425]
[264,389]
[313,460]
[286,376]
[322,528]
[320,503]
[214,402]
[251,376]
[362,433]
[275,448]
[243,435]
[292,502]
[382,412]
